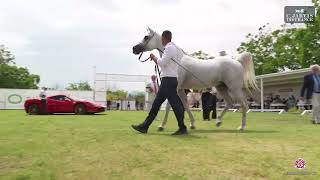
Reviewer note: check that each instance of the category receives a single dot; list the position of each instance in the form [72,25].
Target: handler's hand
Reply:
[153,58]
[302,98]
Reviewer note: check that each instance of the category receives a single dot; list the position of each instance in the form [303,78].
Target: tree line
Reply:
[286,48]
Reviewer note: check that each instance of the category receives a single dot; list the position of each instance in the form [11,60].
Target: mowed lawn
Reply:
[105,147]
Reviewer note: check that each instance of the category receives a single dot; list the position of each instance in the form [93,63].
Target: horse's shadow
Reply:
[230,131]
[188,136]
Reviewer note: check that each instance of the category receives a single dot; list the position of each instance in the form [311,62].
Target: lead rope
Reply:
[203,83]
[158,72]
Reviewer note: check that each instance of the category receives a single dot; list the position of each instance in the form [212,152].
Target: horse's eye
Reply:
[146,37]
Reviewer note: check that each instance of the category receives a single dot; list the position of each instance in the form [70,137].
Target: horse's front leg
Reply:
[165,118]
[184,101]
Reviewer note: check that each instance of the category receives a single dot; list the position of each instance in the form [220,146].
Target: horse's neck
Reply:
[161,49]
[185,53]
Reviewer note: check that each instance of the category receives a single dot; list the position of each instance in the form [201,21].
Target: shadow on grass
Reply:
[188,136]
[231,131]
[65,114]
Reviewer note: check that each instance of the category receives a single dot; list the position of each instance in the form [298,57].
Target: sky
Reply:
[63,40]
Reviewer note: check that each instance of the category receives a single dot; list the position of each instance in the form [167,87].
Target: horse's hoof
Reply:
[192,127]
[218,123]
[160,129]
[240,129]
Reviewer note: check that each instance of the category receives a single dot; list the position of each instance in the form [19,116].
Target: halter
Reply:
[156,67]
[142,51]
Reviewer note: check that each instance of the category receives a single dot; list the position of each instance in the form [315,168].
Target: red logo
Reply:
[300,163]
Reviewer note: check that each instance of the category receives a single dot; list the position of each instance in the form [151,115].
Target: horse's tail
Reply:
[249,76]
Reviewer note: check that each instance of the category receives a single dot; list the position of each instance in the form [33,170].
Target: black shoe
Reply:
[160,129]
[140,128]
[180,132]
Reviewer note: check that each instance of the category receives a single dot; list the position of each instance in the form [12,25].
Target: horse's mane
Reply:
[184,52]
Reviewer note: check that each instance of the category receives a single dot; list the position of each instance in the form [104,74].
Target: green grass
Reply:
[105,147]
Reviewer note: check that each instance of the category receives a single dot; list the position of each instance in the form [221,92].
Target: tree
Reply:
[12,76]
[284,48]
[17,78]
[260,45]
[201,55]
[138,96]
[80,86]
[5,56]
[116,95]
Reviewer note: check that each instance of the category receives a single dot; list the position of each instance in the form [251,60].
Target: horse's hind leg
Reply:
[184,101]
[239,96]
[223,91]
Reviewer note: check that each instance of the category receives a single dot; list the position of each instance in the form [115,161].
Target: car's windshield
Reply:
[76,98]
[61,98]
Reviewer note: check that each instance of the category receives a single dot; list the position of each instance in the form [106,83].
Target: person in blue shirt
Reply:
[312,85]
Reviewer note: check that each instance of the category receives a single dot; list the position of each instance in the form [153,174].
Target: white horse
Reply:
[230,77]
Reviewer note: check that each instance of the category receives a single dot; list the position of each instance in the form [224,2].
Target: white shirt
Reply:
[169,68]
[43,94]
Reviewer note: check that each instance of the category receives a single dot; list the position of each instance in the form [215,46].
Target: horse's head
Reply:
[149,42]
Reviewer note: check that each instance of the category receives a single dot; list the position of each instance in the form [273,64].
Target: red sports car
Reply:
[63,104]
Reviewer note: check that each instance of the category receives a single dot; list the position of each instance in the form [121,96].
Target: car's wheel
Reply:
[33,109]
[80,109]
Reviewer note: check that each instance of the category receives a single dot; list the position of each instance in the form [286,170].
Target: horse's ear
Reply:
[150,30]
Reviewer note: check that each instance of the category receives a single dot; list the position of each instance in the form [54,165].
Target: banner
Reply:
[15,98]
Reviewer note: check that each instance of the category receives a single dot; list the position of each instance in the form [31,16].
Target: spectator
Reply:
[316,94]
[118,106]
[308,85]
[128,106]
[141,106]
[268,102]
[137,105]
[291,102]
[214,101]
[43,96]
[206,99]
[108,104]
[196,98]
[152,90]
[277,99]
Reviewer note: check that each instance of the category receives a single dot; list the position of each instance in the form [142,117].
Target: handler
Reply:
[168,87]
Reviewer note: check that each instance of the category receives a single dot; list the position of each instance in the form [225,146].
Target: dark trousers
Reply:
[167,90]
[209,104]
[43,106]
[214,106]
[206,104]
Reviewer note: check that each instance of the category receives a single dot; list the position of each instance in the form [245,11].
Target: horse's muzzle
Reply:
[137,49]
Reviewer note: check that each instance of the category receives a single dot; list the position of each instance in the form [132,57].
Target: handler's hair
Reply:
[167,34]
[314,67]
